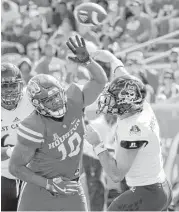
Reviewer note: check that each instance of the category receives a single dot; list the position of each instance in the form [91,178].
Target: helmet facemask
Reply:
[106,103]
[11,92]
[54,106]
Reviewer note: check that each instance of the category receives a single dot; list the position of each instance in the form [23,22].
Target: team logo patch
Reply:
[133,145]
[135,130]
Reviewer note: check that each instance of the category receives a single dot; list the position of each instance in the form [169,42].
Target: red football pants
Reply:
[34,198]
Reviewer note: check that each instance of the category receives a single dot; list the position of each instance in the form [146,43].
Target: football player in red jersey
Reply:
[13,101]
[138,155]
[50,140]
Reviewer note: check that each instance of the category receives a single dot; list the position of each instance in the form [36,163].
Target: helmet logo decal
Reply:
[33,88]
[130,93]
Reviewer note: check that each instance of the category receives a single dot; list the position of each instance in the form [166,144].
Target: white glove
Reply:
[9,151]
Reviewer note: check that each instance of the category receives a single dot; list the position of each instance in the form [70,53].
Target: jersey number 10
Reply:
[73,150]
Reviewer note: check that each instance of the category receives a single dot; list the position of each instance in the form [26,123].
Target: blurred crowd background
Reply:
[144,34]
[34,34]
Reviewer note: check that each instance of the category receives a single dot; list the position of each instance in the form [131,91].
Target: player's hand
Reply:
[60,187]
[92,136]
[79,50]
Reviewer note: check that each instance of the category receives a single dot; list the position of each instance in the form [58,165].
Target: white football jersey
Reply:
[10,120]
[147,167]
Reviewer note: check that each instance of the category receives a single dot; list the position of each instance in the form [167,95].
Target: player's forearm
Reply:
[117,64]
[97,73]
[110,166]
[25,174]
[108,57]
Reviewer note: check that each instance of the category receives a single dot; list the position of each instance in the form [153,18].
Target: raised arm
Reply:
[98,78]
[95,85]
[117,66]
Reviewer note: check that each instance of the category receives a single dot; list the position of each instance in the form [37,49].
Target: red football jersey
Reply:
[58,144]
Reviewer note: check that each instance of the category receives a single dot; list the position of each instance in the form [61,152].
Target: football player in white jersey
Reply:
[138,152]
[14,108]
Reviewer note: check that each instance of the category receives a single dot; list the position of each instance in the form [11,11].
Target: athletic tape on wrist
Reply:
[100,148]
